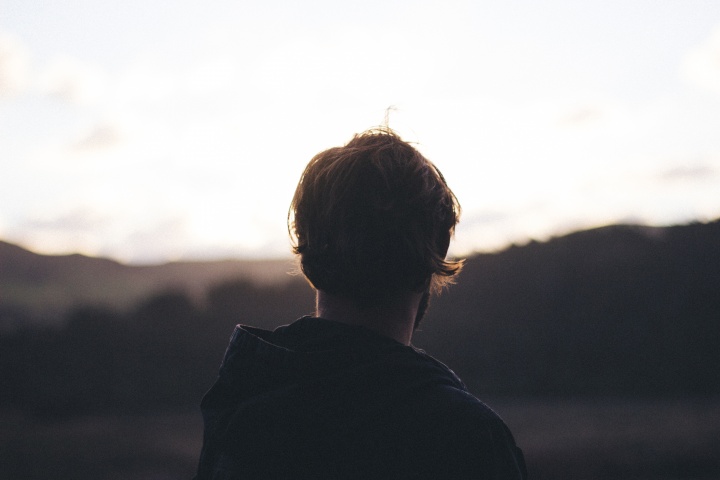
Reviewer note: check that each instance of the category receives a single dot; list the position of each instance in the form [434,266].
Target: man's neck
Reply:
[395,321]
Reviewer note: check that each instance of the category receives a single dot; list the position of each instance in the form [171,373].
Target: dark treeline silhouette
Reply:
[38,289]
[620,311]
[162,354]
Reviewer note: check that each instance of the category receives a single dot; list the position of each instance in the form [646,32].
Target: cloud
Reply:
[581,116]
[164,239]
[64,230]
[688,172]
[79,219]
[14,66]
[588,111]
[70,80]
[701,66]
[118,234]
[485,217]
[100,138]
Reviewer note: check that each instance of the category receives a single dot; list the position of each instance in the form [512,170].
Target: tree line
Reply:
[621,311]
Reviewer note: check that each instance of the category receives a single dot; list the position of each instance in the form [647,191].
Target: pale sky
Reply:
[149,131]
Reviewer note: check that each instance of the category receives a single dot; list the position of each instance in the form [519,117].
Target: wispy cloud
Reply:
[76,220]
[101,137]
[71,80]
[14,65]
[62,230]
[698,171]
[166,239]
[580,116]
[701,66]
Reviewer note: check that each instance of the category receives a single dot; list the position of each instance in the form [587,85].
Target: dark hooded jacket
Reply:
[320,399]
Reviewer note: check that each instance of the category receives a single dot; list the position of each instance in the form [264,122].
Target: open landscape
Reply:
[591,439]
[149,155]
[599,349]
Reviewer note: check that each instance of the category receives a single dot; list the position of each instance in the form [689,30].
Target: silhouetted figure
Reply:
[343,394]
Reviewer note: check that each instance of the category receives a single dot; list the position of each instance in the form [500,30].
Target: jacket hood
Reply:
[322,399]
[297,356]
[276,389]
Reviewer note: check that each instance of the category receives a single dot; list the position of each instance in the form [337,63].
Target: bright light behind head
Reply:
[185,138]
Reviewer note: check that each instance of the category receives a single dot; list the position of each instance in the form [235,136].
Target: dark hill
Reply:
[43,287]
[615,309]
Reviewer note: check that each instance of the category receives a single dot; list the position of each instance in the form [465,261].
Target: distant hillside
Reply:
[623,311]
[44,286]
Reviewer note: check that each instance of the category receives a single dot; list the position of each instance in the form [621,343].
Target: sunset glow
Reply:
[153,131]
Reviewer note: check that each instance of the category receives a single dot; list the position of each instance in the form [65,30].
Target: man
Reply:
[343,394]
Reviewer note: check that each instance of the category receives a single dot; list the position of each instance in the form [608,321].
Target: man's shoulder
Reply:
[458,433]
[446,404]
[465,437]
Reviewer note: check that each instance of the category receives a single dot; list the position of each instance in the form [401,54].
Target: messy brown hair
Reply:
[372,219]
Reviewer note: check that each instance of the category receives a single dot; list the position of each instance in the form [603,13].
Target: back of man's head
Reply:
[373,219]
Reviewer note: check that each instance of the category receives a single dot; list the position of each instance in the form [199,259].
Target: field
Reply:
[565,439]
[617,439]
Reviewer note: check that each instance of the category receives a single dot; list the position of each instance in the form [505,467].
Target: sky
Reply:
[149,131]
